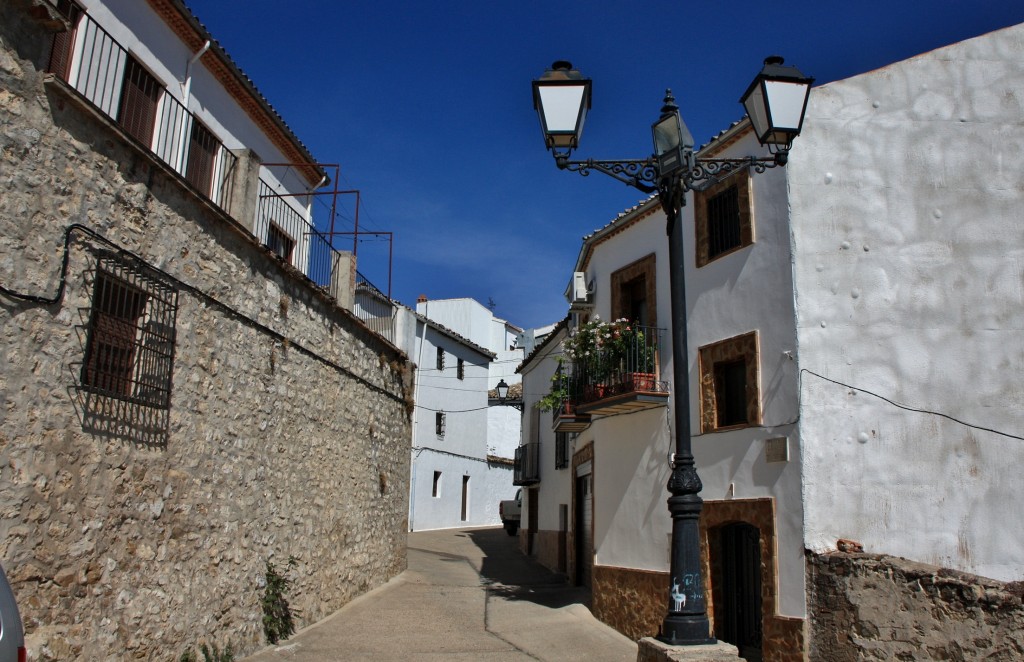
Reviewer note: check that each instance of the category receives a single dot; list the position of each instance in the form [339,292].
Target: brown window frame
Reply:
[626,278]
[718,373]
[705,222]
[63,42]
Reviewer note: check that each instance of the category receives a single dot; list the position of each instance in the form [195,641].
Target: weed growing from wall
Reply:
[210,654]
[277,615]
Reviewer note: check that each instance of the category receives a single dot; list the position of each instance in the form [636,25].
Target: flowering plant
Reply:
[559,392]
[602,348]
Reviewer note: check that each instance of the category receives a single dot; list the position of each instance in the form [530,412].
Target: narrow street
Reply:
[467,595]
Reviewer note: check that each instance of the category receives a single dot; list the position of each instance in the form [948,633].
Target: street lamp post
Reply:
[775,102]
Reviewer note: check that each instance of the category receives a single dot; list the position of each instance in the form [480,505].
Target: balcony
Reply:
[566,418]
[527,468]
[101,75]
[615,368]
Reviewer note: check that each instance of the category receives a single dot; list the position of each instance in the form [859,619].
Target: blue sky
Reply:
[428,109]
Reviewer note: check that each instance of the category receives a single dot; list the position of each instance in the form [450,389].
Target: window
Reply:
[436,489]
[114,325]
[729,391]
[202,154]
[130,336]
[139,95]
[634,294]
[279,243]
[722,218]
[561,450]
[60,55]
[439,423]
[460,369]
[440,359]
[465,498]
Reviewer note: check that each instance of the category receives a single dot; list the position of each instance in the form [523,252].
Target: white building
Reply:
[457,476]
[197,113]
[469,318]
[854,323]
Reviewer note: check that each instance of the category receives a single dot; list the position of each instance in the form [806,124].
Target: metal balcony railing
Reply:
[527,467]
[96,66]
[374,308]
[109,79]
[612,358]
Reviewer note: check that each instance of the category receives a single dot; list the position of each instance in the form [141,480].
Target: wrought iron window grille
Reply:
[128,340]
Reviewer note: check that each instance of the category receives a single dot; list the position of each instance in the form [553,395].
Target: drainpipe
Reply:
[186,91]
[186,97]
[416,415]
[309,205]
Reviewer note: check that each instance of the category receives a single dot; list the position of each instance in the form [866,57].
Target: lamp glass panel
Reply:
[786,101]
[666,135]
[561,107]
[754,104]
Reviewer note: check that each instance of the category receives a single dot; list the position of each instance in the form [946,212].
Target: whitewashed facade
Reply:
[879,297]
[469,318]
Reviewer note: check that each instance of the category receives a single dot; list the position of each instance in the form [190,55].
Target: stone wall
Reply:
[631,601]
[874,607]
[287,432]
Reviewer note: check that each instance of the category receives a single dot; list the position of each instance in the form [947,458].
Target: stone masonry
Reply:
[288,429]
[876,607]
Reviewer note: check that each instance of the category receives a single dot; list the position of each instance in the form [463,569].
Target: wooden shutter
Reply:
[202,153]
[139,95]
[60,55]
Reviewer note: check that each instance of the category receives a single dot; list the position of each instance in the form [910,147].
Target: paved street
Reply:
[467,595]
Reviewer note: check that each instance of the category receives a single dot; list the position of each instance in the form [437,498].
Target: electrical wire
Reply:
[913,409]
[195,291]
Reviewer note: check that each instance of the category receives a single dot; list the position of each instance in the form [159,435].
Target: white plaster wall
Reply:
[488,485]
[467,317]
[906,193]
[555,486]
[504,423]
[752,290]
[748,290]
[464,401]
[463,448]
[474,321]
[631,519]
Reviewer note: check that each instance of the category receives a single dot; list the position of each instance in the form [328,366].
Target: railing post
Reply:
[243,200]
[343,278]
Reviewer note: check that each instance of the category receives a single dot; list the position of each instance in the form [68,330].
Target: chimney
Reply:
[421,298]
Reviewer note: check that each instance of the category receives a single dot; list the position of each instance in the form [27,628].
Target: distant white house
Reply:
[469,318]
[855,328]
[463,447]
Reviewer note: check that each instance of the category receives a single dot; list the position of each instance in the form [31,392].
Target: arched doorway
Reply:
[738,609]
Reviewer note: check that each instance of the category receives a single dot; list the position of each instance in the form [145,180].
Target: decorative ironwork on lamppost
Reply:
[502,389]
[775,102]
